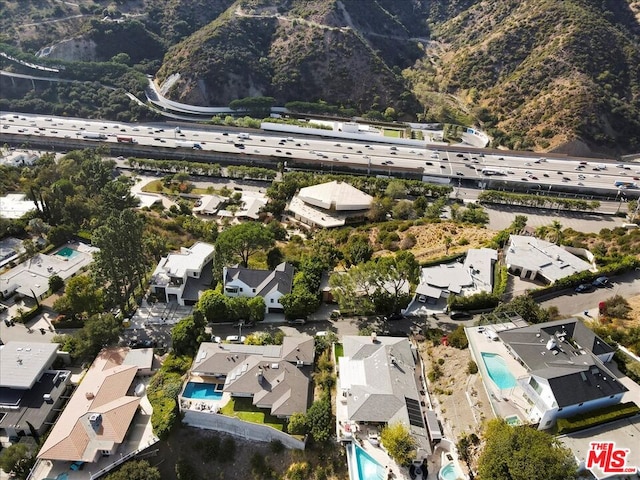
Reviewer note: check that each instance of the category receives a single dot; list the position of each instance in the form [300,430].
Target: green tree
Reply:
[299,303]
[55,283]
[17,460]
[358,250]
[121,262]
[526,307]
[297,424]
[396,189]
[447,240]
[81,295]
[257,309]
[617,307]
[135,470]
[519,453]
[274,258]
[398,442]
[241,241]
[556,231]
[188,334]
[213,305]
[319,419]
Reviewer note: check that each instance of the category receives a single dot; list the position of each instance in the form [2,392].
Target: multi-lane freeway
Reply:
[443,163]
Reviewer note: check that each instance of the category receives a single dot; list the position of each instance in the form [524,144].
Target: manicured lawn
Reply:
[339,351]
[391,133]
[243,409]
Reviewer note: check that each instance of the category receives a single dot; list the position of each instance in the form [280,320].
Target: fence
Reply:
[240,428]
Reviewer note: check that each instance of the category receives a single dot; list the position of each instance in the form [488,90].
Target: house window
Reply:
[580,404]
[535,385]
[548,423]
[611,396]
[254,290]
[271,300]
[240,288]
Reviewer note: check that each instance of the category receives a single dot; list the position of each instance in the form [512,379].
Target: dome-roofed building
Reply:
[331,204]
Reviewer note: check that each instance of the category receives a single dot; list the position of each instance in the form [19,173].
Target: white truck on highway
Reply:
[244,136]
[94,136]
[187,144]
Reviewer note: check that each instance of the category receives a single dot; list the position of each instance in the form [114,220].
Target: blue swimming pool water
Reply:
[67,252]
[498,371]
[201,391]
[366,467]
[449,472]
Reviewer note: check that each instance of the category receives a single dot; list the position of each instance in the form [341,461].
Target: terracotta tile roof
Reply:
[102,391]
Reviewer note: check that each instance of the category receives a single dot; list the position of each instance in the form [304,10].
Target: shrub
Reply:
[458,338]
[478,301]
[298,471]
[472,367]
[260,469]
[276,446]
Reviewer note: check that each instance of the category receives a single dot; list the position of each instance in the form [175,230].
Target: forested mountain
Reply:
[537,74]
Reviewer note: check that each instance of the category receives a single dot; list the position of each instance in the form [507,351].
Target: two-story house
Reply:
[268,284]
[179,276]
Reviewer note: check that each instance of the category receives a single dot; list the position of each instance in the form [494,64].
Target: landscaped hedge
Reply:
[29,314]
[500,277]
[478,301]
[596,417]
[447,259]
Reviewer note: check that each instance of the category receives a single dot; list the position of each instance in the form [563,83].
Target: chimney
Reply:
[374,337]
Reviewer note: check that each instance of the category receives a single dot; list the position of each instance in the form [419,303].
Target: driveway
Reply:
[571,303]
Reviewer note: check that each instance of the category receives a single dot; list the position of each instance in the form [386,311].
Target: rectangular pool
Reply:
[67,252]
[498,371]
[201,391]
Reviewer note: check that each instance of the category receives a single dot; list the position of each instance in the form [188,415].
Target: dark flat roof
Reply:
[33,408]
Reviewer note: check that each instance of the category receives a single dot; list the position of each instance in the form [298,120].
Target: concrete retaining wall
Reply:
[240,428]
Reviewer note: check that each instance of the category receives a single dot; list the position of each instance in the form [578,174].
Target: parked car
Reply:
[601,282]
[297,321]
[235,339]
[456,315]
[584,288]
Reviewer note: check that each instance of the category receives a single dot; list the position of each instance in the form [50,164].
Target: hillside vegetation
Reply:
[536,74]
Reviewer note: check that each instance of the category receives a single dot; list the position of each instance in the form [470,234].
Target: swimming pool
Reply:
[364,466]
[201,391]
[498,371]
[67,252]
[450,472]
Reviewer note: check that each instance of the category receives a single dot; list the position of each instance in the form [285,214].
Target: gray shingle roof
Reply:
[264,281]
[570,366]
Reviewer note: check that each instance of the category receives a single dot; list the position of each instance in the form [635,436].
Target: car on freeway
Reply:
[601,282]
[584,288]
[546,175]
[524,179]
[460,174]
[458,315]
[533,177]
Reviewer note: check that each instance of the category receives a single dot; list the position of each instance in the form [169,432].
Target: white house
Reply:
[566,372]
[268,284]
[474,275]
[532,258]
[178,275]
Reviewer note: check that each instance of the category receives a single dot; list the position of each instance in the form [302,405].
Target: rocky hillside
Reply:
[541,74]
[536,74]
[298,50]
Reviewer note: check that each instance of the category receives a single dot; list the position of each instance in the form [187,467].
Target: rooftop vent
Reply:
[89,395]
[95,420]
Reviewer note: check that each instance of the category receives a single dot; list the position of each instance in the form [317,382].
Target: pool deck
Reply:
[504,403]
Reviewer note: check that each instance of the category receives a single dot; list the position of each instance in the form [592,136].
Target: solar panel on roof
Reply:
[415,412]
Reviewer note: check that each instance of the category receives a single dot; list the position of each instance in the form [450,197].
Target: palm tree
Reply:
[556,229]
[542,231]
